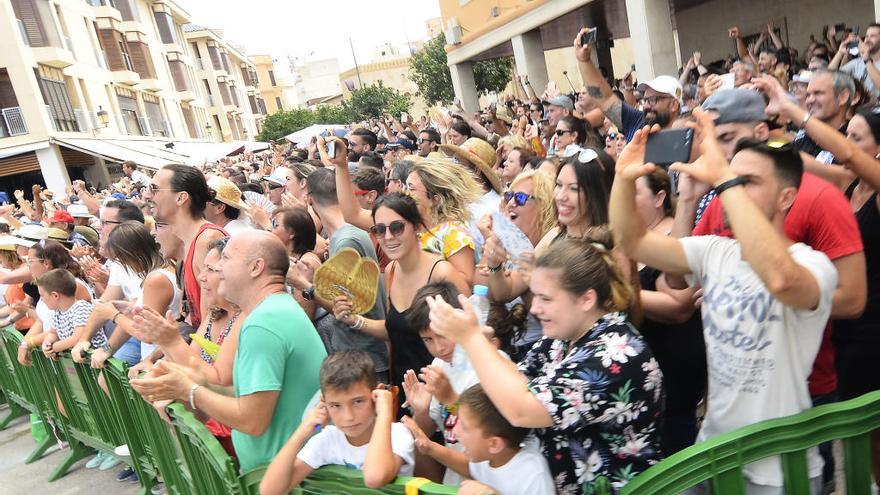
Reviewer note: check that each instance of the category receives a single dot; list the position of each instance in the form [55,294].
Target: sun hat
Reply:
[480,155]
[31,234]
[227,192]
[79,211]
[348,274]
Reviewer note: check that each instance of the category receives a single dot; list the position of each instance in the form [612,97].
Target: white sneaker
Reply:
[122,451]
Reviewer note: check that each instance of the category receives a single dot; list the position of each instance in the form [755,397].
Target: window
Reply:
[272,77]
[56,98]
[278,103]
[132,126]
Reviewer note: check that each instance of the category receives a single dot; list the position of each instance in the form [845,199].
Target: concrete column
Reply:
[650,27]
[53,169]
[464,86]
[528,53]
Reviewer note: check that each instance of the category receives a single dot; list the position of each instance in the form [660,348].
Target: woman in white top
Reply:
[131,245]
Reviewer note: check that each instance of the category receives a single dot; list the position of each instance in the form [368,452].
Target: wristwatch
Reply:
[309,294]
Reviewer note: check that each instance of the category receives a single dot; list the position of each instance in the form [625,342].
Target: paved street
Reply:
[16,477]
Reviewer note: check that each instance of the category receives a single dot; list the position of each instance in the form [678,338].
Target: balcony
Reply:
[231,108]
[187,95]
[151,84]
[12,122]
[105,10]
[127,76]
[53,56]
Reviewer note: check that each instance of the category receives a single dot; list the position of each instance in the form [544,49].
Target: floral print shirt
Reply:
[605,395]
[447,238]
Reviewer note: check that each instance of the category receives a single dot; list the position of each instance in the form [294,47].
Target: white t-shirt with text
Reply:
[759,351]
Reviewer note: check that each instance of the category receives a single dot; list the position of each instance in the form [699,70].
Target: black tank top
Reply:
[408,352]
[865,328]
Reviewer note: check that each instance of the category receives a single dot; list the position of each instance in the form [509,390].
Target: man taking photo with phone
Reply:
[661,97]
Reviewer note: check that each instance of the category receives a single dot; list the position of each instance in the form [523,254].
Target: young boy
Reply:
[69,315]
[432,402]
[492,456]
[363,435]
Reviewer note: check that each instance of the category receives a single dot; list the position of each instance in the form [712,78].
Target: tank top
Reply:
[864,329]
[174,307]
[190,283]
[408,352]
[15,294]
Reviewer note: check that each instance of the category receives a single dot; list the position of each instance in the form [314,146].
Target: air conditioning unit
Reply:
[82,120]
[494,12]
[166,126]
[144,123]
[453,34]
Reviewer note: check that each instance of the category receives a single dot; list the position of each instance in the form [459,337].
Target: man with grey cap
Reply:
[557,107]
[661,96]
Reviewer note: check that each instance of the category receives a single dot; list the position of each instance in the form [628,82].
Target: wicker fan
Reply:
[346,273]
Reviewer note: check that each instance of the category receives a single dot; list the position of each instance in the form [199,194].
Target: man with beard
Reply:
[361,141]
[859,68]
[179,195]
[661,97]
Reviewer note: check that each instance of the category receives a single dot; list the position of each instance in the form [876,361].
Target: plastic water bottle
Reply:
[480,301]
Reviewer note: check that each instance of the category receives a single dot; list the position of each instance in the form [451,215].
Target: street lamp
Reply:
[103,116]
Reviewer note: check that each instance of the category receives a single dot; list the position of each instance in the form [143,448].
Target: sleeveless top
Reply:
[408,352]
[220,338]
[864,329]
[190,283]
[174,306]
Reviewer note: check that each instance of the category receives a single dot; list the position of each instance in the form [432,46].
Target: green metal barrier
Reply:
[721,459]
[149,439]
[12,395]
[28,389]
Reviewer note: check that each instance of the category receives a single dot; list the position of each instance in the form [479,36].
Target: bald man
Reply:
[276,365]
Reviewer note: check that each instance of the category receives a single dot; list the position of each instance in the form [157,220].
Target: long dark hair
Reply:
[191,181]
[298,221]
[592,181]
[132,245]
[403,205]
[57,256]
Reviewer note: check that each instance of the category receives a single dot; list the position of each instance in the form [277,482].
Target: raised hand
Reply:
[631,161]
[423,443]
[417,395]
[453,323]
[438,385]
[582,52]
[711,167]
[733,32]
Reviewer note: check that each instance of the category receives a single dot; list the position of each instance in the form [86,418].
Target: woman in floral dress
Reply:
[591,387]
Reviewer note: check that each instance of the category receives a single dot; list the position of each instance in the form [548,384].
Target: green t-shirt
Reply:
[278,350]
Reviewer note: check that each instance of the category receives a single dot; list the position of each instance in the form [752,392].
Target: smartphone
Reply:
[331,149]
[840,27]
[853,48]
[589,38]
[727,81]
[667,147]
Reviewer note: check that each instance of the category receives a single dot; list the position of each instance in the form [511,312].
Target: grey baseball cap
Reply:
[561,101]
[736,105]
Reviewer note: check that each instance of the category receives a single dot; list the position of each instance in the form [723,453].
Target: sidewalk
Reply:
[16,477]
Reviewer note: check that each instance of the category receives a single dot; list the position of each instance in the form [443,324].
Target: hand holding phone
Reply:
[589,38]
[667,147]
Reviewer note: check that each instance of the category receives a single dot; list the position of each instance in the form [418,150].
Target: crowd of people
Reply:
[552,308]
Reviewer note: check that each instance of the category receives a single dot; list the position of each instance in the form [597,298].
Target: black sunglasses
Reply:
[396,227]
[520,197]
[560,132]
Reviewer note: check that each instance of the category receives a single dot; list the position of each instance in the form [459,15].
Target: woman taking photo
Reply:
[591,387]
[397,223]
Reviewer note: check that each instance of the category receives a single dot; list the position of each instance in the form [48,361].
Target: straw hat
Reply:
[346,273]
[10,242]
[480,155]
[227,192]
[31,234]
[59,235]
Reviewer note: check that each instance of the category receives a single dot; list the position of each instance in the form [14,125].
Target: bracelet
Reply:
[806,119]
[359,323]
[192,396]
[736,181]
[26,343]
[527,83]
[116,316]
[496,269]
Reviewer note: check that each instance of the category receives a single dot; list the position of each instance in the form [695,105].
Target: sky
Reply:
[315,29]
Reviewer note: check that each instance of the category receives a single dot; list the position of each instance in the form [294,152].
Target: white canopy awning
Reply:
[23,148]
[310,131]
[118,151]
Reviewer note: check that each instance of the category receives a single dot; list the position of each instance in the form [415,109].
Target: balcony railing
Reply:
[13,121]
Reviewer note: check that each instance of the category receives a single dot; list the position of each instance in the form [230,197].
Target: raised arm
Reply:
[763,247]
[741,49]
[381,464]
[659,251]
[777,41]
[596,85]
[351,210]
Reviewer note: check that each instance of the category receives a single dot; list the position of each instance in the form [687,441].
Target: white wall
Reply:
[704,27]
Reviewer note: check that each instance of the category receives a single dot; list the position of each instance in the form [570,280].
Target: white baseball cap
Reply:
[667,85]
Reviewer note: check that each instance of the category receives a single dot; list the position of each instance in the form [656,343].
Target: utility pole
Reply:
[356,68]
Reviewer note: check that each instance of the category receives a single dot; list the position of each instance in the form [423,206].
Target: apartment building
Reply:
[86,84]
[229,81]
[274,84]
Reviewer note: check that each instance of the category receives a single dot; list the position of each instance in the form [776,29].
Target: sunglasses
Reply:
[520,197]
[396,227]
[561,132]
[611,135]
[653,100]
[423,140]
[271,186]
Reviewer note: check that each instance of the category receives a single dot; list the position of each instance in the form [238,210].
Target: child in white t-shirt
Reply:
[492,457]
[363,435]
[432,403]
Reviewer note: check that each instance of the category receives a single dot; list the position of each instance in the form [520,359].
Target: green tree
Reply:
[374,101]
[429,70]
[332,114]
[280,124]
